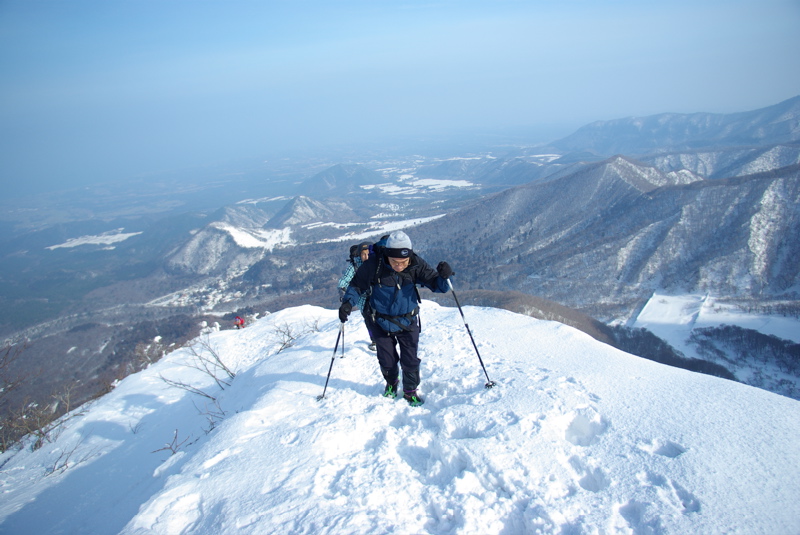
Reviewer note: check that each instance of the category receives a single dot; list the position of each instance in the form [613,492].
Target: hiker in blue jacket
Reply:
[389,278]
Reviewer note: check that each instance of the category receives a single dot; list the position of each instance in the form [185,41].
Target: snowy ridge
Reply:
[222,247]
[382,227]
[577,437]
[257,238]
[724,163]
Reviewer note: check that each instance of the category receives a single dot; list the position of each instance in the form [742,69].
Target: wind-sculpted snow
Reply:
[575,438]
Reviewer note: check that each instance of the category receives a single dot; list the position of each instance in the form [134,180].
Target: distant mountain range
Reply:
[670,132]
[340,180]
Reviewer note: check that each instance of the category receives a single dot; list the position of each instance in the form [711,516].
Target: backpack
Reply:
[375,248]
[353,253]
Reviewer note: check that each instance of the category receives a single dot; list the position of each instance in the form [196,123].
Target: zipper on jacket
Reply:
[396,286]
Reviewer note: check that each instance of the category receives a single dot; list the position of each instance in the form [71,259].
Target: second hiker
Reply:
[358,255]
[389,279]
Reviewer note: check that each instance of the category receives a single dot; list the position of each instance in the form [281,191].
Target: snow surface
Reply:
[576,437]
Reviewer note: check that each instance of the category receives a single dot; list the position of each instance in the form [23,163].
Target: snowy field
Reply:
[672,318]
[676,318]
[409,184]
[576,437]
[106,238]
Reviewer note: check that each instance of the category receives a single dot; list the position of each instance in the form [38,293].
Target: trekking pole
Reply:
[339,337]
[490,383]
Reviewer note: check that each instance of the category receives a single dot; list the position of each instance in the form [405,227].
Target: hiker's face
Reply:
[399,264]
[364,255]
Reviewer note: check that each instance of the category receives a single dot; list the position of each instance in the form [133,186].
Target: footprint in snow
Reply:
[639,519]
[671,492]
[593,479]
[586,427]
[665,448]
[461,423]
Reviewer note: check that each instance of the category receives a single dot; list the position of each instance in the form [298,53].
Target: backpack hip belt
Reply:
[395,319]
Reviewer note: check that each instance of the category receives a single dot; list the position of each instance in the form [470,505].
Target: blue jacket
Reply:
[393,296]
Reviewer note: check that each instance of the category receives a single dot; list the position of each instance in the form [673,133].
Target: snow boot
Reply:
[391,390]
[392,382]
[414,399]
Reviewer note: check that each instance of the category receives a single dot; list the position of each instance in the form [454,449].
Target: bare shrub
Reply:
[187,387]
[213,413]
[42,423]
[286,335]
[174,445]
[69,457]
[207,360]
[311,325]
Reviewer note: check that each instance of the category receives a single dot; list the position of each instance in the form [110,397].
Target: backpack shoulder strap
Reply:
[377,251]
[414,279]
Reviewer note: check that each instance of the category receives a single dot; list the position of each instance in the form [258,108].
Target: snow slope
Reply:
[576,437]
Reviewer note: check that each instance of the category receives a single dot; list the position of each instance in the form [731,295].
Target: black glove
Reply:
[444,269]
[344,311]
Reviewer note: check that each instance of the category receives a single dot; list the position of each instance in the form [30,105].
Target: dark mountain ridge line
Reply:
[693,131]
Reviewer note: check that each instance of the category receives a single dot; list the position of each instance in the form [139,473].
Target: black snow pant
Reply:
[388,357]
[368,323]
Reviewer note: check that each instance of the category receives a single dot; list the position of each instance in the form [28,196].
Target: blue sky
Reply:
[103,90]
